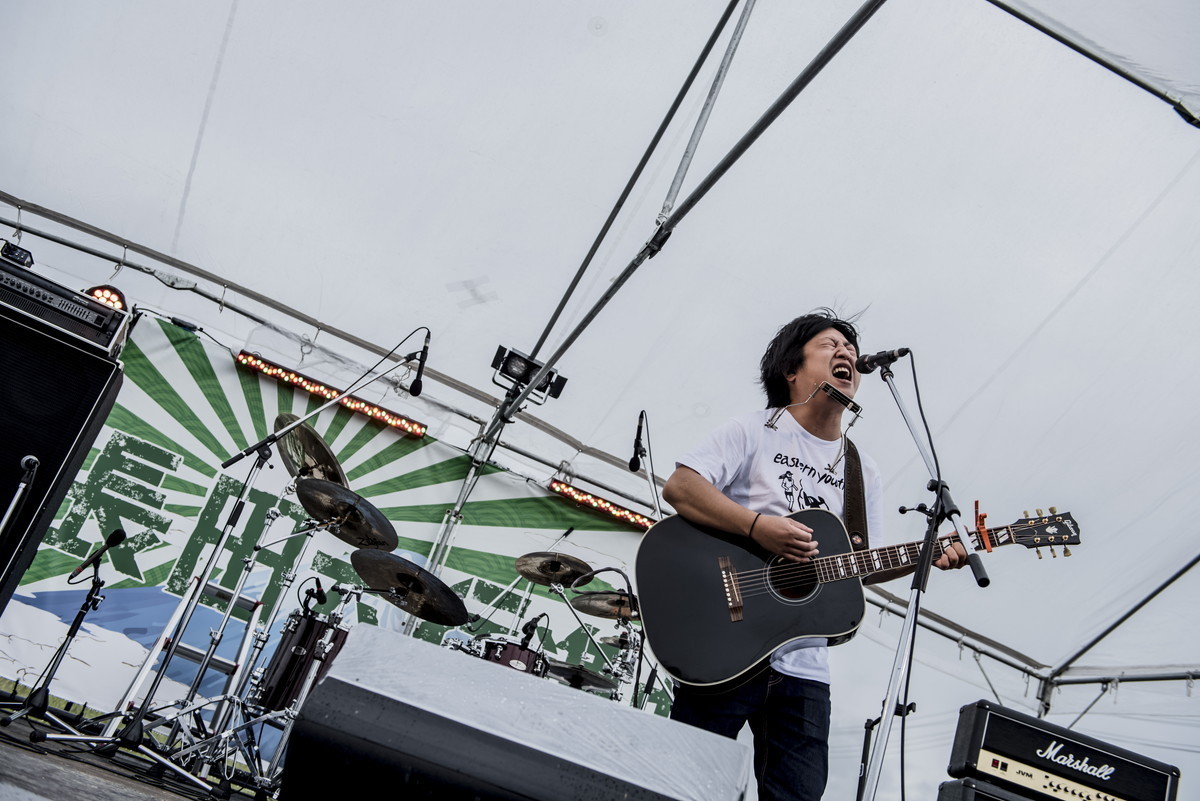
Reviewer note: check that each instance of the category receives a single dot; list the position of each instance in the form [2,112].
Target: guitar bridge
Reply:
[733,593]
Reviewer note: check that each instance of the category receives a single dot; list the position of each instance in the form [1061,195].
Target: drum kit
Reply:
[227,742]
[558,571]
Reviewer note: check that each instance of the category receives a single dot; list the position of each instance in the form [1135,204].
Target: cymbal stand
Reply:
[560,591]
[131,736]
[261,634]
[38,702]
[227,744]
[524,604]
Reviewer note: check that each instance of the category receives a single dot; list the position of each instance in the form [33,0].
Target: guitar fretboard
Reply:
[875,560]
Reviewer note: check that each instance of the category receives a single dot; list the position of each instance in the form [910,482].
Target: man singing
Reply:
[745,478]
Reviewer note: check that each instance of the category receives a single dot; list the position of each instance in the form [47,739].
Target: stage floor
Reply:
[53,771]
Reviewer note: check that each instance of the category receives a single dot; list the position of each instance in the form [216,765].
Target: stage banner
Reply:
[154,472]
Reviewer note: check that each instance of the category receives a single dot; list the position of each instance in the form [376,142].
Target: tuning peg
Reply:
[1053,555]
[1039,511]
[1025,513]
[1066,551]
[1038,551]
[1053,510]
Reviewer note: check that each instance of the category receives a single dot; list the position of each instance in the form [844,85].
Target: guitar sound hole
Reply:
[790,580]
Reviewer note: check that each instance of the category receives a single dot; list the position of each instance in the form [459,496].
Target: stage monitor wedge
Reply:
[407,718]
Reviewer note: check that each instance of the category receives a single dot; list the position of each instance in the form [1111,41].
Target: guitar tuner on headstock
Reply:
[1036,532]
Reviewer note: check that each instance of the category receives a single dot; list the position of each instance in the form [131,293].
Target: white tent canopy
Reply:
[1020,218]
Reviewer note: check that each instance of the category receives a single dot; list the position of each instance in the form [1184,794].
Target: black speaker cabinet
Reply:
[55,393]
[972,790]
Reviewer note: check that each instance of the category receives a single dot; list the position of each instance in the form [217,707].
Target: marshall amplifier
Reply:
[1034,759]
[60,311]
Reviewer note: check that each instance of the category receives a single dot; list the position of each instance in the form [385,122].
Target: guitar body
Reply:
[686,615]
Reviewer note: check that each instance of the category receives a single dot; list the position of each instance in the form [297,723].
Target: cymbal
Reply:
[605,604]
[617,641]
[578,676]
[545,568]
[305,454]
[358,523]
[414,589]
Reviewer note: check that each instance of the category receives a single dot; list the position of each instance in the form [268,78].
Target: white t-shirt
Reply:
[779,471]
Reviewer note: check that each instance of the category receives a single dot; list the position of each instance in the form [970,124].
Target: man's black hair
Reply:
[785,354]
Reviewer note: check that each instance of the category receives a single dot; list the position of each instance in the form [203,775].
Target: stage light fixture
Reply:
[253,362]
[16,253]
[600,504]
[514,368]
[108,295]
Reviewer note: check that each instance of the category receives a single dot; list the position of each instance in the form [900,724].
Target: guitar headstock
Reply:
[1038,531]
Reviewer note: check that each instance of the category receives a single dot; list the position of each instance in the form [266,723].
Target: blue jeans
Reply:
[790,721]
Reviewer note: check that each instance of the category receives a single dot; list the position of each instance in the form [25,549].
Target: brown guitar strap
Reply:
[854,500]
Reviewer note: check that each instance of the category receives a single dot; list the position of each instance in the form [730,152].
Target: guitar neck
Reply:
[894,557]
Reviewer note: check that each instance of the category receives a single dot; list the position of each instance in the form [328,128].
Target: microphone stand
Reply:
[38,703]
[943,508]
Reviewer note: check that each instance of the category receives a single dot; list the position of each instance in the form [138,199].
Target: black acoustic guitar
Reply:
[714,605]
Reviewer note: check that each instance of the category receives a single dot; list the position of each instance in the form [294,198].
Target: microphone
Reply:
[529,628]
[114,539]
[30,465]
[414,388]
[320,593]
[867,364]
[635,463]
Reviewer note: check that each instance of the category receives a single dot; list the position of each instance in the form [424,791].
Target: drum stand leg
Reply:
[226,743]
[132,735]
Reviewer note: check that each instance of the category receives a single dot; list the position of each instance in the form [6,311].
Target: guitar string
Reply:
[753,582]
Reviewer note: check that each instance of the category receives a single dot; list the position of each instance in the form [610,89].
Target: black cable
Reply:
[936,512]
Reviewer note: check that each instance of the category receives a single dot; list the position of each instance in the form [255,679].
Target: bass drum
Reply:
[289,666]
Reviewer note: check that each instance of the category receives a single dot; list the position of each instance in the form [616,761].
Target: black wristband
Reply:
[750,533]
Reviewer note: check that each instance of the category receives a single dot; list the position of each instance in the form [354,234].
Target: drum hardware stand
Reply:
[560,591]
[38,701]
[134,731]
[944,508]
[523,606]
[258,634]
[224,744]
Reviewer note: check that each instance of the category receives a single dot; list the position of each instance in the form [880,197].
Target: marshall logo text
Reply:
[1051,752]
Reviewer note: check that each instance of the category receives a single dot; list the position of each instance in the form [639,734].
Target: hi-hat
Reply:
[305,454]
[355,520]
[545,568]
[413,588]
[578,676]
[605,604]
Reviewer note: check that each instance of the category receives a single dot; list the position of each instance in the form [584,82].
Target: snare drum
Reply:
[297,650]
[512,654]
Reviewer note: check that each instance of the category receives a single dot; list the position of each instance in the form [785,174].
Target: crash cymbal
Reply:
[356,521]
[545,568]
[414,589]
[578,676]
[305,454]
[605,604]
